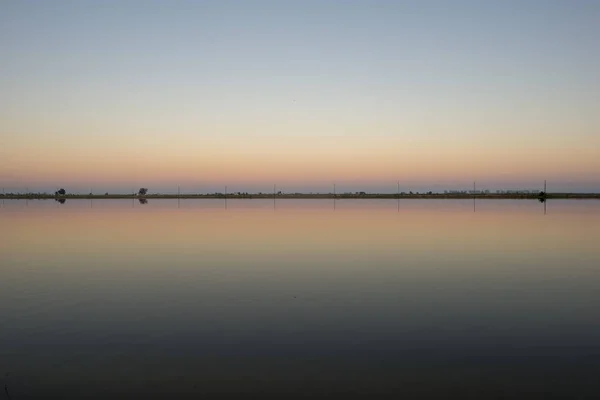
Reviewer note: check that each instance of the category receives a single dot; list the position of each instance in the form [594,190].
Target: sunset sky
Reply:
[114,95]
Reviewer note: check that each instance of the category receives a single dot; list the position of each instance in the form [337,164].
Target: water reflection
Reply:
[543,200]
[423,298]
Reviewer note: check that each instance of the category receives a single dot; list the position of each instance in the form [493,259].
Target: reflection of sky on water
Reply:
[361,292]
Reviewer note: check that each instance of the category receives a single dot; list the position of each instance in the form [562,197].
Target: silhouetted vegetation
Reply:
[61,201]
[144,193]
[143,201]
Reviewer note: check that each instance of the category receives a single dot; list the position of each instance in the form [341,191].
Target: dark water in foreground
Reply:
[372,299]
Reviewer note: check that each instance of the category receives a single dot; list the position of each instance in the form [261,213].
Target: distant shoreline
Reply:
[489,196]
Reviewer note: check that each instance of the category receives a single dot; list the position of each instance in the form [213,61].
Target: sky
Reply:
[116,95]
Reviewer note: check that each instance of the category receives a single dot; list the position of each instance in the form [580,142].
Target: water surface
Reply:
[300,298]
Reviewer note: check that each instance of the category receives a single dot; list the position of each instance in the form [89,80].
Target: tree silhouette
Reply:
[143,191]
[143,201]
[60,192]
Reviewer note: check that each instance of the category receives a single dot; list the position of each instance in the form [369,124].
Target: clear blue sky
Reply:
[116,94]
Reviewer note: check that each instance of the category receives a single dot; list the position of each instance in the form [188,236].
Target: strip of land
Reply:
[513,196]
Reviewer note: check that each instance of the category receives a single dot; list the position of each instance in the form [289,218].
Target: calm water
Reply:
[370,299]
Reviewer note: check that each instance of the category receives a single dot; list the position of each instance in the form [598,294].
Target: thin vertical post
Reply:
[398,195]
[544,186]
[334,196]
[474,190]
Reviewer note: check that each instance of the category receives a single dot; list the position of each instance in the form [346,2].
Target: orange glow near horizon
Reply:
[352,160]
[292,229]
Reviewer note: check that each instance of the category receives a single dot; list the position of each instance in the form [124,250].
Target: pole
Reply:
[398,195]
